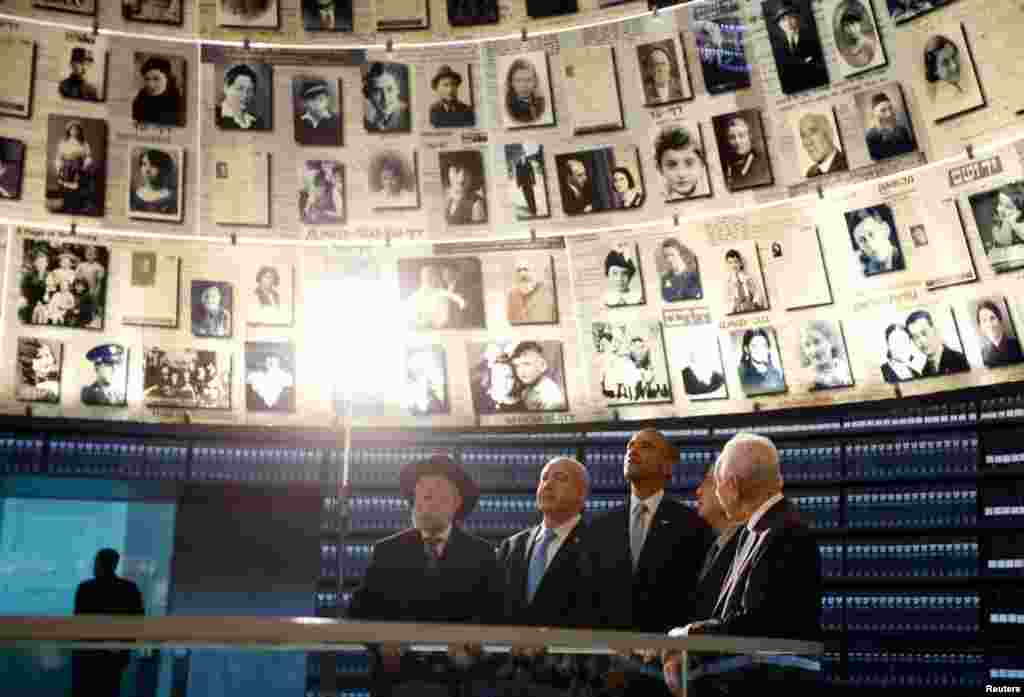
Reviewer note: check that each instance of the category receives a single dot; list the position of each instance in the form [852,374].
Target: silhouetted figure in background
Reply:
[97,673]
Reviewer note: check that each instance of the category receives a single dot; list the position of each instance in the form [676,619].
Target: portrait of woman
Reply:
[950,83]
[823,352]
[998,346]
[75,182]
[154,192]
[269,376]
[904,360]
[211,309]
[856,37]
[160,101]
[527,94]
[999,217]
[1007,223]
[627,193]
[322,197]
[703,375]
[463,181]
[758,371]
[270,303]
[39,364]
[742,290]
[242,107]
[680,275]
[394,181]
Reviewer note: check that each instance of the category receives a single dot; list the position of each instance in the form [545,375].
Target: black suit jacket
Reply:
[803,69]
[566,596]
[839,164]
[715,570]
[660,594]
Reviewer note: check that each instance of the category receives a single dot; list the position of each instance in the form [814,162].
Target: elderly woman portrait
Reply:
[239,109]
[524,104]
[211,309]
[160,101]
[680,159]
[903,359]
[386,92]
[998,346]
[757,370]
[822,351]
[680,279]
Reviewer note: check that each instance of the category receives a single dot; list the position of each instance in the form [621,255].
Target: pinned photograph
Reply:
[465,191]
[152,11]
[528,100]
[625,282]
[999,218]
[744,288]
[919,235]
[823,355]
[471,13]
[245,103]
[905,10]
[156,182]
[989,332]
[425,389]
[678,271]
[630,363]
[855,31]
[758,361]
[316,104]
[442,293]
[160,81]
[923,343]
[78,7]
[517,376]
[596,181]
[322,196]
[742,150]
[403,15]
[76,172]
[386,103]
[83,72]
[19,70]
[39,370]
[186,379]
[592,89]
[270,376]
[950,86]
[887,128]
[681,160]
[394,180]
[532,297]
[697,350]
[63,284]
[875,241]
[327,15]
[453,97]
[796,45]
[538,9]
[212,305]
[271,298]
[526,182]
[723,58]
[109,387]
[663,71]
[821,151]
[261,14]
[150,298]
[12,167]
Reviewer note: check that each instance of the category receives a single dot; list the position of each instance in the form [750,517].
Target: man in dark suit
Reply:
[941,359]
[887,138]
[819,144]
[431,572]
[449,111]
[798,56]
[723,549]
[577,190]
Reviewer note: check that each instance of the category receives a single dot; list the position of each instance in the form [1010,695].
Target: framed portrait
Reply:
[743,287]
[400,15]
[316,106]
[855,33]
[538,9]
[796,45]
[152,11]
[107,367]
[528,100]
[394,180]
[999,217]
[600,180]
[212,308]
[905,10]
[820,150]
[465,189]
[63,284]
[629,363]
[38,370]
[78,7]
[82,73]
[592,89]
[322,196]
[270,299]
[919,344]
[239,185]
[517,376]
[663,71]
[989,334]
[678,271]
[452,105]
[186,378]
[387,97]
[156,182]
[150,298]
[532,296]
[875,240]
[12,167]
[270,376]
[526,180]
[471,13]
[76,165]
[823,355]
[327,15]
[883,114]
[742,150]
[681,161]
[694,350]
[160,99]
[442,293]
[758,361]
[247,13]
[720,49]
[244,100]
[623,277]
[425,385]
[16,81]
[948,82]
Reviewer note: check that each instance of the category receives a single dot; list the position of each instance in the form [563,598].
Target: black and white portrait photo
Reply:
[387,102]
[245,102]
[723,58]
[950,85]
[270,376]
[743,288]
[875,240]
[855,32]
[624,283]
[107,365]
[694,351]
[76,171]
[186,378]
[919,344]
[425,388]
[394,179]
[465,190]
[152,11]
[988,332]
[526,180]
[758,361]
[527,97]
[38,370]
[12,167]
[663,72]
[327,15]
[604,179]
[905,10]
[322,196]
[999,218]
[19,76]
[823,355]
[681,160]
[517,376]
[742,150]
[532,297]
[84,72]
[270,299]
[820,151]
[160,98]
[63,284]
[678,271]
[452,105]
[212,305]
[80,7]
[468,13]
[316,106]
[629,363]
[442,293]
[919,235]
[887,128]
[155,183]
[247,13]
[799,58]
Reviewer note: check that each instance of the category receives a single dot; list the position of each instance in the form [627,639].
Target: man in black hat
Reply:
[620,272]
[448,111]
[318,124]
[108,388]
[798,55]
[77,84]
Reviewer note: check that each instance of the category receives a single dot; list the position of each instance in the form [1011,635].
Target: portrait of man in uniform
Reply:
[110,386]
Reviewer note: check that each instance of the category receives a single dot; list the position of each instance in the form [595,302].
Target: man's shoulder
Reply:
[399,539]
[608,519]
[468,541]
[675,508]
[519,539]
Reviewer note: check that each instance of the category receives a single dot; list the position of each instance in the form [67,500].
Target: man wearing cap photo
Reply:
[318,123]
[109,387]
[77,85]
[449,111]
[795,43]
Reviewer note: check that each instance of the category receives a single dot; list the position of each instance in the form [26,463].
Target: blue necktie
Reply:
[538,563]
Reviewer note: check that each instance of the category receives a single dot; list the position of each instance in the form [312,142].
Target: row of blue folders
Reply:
[257,465]
[331,603]
[912,613]
[19,455]
[510,466]
[832,612]
[378,467]
[605,462]
[917,506]
[909,670]
[129,459]
[933,560]
[912,458]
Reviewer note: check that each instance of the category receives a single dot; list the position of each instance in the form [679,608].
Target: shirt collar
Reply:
[563,530]
[443,536]
[652,502]
[759,513]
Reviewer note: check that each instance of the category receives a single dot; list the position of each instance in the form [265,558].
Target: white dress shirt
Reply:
[652,503]
[759,513]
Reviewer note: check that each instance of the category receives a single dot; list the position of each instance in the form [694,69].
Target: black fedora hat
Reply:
[785,9]
[445,71]
[444,466]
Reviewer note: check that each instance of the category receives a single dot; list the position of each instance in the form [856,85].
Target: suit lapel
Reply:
[662,526]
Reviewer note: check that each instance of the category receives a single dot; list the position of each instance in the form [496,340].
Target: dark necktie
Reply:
[433,546]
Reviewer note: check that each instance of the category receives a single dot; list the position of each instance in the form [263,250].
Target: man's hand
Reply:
[700,627]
